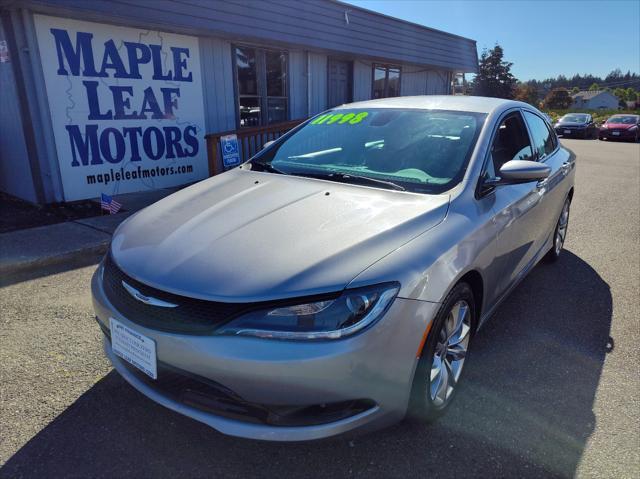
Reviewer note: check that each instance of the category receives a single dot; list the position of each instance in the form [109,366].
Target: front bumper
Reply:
[572,131]
[376,365]
[617,134]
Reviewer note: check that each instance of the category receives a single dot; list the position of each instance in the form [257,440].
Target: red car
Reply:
[623,127]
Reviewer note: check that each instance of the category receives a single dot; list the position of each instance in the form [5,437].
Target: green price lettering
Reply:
[358,118]
[340,118]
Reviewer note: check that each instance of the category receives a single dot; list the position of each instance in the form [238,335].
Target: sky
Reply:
[543,38]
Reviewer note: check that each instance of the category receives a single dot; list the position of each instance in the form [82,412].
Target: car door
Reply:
[517,216]
[554,189]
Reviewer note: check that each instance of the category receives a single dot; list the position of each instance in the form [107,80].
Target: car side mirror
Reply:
[514,172]
[523,171]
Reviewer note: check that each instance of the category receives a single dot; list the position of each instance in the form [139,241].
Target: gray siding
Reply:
[437,83]
[318,24]
[298,84]
[362,80]
[318,74]
[15,171]
[217,82]
[413,80]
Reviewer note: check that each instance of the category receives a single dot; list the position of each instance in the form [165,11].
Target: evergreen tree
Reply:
[494,76]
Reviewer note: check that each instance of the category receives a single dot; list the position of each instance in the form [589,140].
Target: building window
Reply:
[261,77]
[386,81]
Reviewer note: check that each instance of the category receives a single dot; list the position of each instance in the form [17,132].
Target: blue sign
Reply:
[230,151]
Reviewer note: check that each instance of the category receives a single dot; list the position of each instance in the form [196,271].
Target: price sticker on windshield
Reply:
[346,118]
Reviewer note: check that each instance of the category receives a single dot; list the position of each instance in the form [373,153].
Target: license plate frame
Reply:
[615,133]
[566,132]
[134,347]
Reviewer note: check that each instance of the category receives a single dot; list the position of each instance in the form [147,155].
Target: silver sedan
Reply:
[336,280]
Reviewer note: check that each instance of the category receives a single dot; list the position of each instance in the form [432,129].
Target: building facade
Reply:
[114,97]
[594,100]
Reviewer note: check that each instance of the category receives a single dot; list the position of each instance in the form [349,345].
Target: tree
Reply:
[527,93]
[494,76]
[631,95]
[594,87]
[575,89]
[558,99]
[621,94]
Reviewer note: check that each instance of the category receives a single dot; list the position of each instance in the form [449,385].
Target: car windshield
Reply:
[423,151]
[626,120]
[575,118]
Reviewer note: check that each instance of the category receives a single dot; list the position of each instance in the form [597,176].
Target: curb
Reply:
[30,250]
[21,267]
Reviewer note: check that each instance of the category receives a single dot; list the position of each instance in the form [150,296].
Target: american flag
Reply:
[109,204]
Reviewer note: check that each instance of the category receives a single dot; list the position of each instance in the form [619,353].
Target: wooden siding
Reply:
[317,24]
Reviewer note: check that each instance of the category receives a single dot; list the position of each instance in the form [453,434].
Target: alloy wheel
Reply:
[561,230]
[449,354]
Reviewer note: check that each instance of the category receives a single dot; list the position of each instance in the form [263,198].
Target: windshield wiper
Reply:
[267,167]
[355,179]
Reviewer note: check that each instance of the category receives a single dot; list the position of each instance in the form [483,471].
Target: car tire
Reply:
[560,233]
[445,352]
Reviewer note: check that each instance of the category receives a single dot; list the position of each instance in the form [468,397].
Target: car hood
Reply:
[619,126]
[569,123]
[251,236]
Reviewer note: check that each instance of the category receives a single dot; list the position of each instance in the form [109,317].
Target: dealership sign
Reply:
[126,106]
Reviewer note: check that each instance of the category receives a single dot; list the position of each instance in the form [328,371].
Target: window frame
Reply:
[386,67]
[261,83]
[554,137]
[487,155]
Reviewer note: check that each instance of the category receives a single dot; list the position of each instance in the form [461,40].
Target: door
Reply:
[517,213]
[339,82]
[545,149]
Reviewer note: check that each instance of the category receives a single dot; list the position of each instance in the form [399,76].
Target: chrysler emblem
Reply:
[147,299]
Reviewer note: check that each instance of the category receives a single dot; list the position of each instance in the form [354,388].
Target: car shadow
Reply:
[524,409]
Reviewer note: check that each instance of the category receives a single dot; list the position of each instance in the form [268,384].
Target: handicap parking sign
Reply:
[230,151]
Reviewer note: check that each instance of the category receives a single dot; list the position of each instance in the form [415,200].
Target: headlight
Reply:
[633,128]
[335,318]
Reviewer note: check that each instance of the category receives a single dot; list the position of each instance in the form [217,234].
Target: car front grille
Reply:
[191,316]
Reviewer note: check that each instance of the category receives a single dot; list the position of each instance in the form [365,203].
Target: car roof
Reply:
[479,104]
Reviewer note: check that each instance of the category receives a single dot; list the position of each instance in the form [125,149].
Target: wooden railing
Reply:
[250,141]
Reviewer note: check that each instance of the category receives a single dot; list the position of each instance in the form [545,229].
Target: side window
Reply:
[543,139]
[511,142]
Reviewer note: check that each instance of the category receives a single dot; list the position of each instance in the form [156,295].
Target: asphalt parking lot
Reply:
[553,388]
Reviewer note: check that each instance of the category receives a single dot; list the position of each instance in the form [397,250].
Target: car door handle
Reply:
[542,183]
[566,166]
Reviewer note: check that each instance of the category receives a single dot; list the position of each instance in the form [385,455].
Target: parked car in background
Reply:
[578,125]
[621,127]
[335,281]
